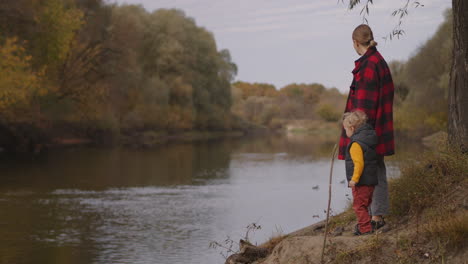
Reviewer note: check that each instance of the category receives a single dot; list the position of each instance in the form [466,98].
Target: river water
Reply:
[165,205]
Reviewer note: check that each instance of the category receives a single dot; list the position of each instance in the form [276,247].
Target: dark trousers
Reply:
[362,198]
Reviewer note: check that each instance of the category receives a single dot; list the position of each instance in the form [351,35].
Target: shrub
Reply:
[422,184]
[328,113]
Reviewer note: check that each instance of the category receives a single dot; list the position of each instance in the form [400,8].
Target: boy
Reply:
[361,166]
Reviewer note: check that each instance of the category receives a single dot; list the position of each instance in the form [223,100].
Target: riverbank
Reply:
[322,131]
[428,222]
[33,138]
[26,138]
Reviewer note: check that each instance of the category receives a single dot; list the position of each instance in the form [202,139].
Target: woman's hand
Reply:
[352,184]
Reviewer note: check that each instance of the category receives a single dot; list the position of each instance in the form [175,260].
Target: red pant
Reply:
[362,198]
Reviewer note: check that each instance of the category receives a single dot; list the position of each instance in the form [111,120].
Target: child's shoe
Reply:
[357,232]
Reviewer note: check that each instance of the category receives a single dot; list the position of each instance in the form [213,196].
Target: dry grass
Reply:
[343,219]
[451,232]
[273,241]
[427,197]
[370,249]
[427,183]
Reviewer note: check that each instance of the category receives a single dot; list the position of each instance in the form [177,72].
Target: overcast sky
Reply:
[303,41]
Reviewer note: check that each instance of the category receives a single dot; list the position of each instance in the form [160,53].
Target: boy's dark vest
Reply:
[365,136]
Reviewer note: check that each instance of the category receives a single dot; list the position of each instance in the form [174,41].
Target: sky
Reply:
[304,41]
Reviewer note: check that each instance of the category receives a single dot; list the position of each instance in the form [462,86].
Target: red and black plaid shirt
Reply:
[372,92]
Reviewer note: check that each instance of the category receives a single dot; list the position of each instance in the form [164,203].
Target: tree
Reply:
[422,85]
[18,82]
[255,89]
[93,68]
[57,26]
[458,88]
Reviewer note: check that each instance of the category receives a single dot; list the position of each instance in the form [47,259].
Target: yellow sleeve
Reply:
[358,159]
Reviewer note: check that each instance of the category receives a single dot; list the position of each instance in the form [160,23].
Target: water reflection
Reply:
[163,205]
[104,168]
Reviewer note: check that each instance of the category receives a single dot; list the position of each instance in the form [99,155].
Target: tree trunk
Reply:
[458,89]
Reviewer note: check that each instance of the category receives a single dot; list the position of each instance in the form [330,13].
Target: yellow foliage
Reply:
[180,117]
[256,89]
[18,82]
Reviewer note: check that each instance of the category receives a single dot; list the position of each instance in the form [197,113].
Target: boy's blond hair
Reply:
[354,119]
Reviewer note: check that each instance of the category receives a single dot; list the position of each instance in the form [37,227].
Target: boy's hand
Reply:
[352,184]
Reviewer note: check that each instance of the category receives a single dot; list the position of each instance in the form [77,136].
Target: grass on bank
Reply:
[273,241]
[428,207]
[342,219]
[429,184]
[372,248]
[452,232]
[432,181]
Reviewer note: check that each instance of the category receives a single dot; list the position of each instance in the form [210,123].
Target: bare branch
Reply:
[401,13]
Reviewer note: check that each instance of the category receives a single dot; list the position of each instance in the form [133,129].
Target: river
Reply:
[164,205]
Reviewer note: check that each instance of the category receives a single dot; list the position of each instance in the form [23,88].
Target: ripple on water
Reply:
[149,222]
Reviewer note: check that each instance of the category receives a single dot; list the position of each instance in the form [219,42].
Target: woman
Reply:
[372,92]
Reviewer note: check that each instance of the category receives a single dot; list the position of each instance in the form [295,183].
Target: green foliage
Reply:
[421,85]
[179,66]
[57,25]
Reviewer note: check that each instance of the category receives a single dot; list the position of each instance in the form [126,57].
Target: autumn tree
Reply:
[19,83]
[259,104]
[255,89]
[107,69]
[55,32]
